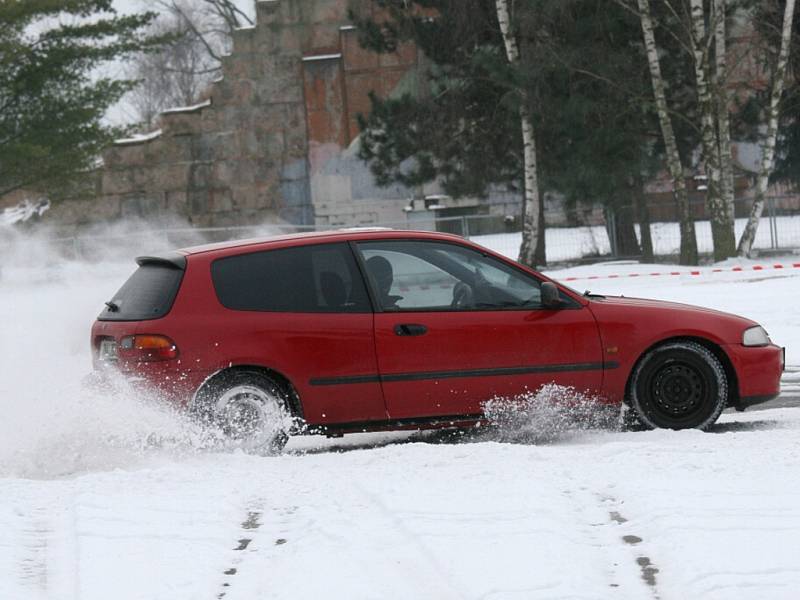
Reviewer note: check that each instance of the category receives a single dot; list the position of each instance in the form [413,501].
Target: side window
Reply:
[316,278]
[409,275]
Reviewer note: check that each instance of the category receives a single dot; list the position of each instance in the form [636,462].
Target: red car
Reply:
[378,329]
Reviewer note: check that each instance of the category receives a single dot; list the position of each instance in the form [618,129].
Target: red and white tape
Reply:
[690,273]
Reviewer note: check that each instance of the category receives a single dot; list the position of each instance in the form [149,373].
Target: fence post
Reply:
[611,229]
[773,224]
[465,227]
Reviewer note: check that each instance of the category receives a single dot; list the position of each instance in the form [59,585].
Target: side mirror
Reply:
[551,298]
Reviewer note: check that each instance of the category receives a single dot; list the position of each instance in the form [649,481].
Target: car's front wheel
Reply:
[248,408]
[680,385]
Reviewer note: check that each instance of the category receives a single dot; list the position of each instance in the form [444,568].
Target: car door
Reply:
[304,312]
[456,327]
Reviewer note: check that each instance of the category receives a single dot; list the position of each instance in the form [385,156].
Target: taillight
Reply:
[147,348]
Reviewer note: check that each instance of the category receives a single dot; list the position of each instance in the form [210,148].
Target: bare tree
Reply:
[705,25]
[199,35]
[727,189]
[229,13]
[689,254]
[768,145]
[532,210]
[210,22]
[713,118]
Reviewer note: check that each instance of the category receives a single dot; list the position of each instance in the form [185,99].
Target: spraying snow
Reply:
[550,414]
[53,424]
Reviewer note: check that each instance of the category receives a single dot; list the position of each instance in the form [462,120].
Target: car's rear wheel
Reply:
[680,385]
[248,408]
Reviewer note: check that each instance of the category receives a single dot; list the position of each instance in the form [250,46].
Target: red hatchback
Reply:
[375,329]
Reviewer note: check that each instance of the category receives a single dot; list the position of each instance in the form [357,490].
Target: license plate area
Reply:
[108,350]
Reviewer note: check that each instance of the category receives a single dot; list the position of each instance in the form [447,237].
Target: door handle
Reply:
[410,329]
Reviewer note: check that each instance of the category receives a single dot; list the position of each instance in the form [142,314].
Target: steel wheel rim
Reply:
[249,415]
[678,390]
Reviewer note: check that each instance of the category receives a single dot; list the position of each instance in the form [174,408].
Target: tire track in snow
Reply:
[601,517]
[247,547]
[249,528]
[425,566]
[43,534]
[32,564]
[647,568]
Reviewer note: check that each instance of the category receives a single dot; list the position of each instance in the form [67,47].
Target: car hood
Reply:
[662,304]
[724,324]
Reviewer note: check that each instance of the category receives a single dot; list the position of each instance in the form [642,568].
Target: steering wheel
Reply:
[462,296]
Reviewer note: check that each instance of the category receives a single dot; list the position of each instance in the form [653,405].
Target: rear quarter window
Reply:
[148,294]
[304,279]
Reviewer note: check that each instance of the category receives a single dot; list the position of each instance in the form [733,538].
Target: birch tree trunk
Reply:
[688,237]
[723,118]
[768,147]
[643,216]
[721,228]
[540,254]
[532,208]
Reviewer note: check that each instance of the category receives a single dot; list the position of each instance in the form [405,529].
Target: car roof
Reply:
[339,235]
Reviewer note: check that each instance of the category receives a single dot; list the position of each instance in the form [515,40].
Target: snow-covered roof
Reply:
[138,138]
[322,57]
[187,109]
[24,211]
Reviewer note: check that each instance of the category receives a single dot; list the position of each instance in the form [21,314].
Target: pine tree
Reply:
[596,131]
[594,125]
[52,101]
[464,129]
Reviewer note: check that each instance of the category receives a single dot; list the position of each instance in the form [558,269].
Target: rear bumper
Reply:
[153,379]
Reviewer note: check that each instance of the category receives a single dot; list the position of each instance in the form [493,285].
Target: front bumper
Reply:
[758,373]
[746,402]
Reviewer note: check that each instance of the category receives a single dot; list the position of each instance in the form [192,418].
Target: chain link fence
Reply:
[577,236]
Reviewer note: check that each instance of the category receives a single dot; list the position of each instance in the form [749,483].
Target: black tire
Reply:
[248,408]
[680,385]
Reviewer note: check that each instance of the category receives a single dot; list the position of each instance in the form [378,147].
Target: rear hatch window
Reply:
[148,294]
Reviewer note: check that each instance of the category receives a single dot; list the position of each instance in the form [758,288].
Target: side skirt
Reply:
[438,422]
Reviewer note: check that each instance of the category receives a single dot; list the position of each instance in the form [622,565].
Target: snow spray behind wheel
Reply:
[52,425]
[551,414]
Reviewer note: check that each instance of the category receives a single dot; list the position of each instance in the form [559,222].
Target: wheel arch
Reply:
[714,348]
[292,396]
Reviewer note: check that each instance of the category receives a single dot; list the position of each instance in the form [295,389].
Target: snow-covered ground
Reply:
[574,243]
[111,496]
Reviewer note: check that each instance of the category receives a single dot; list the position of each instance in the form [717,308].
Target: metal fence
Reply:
[580,236]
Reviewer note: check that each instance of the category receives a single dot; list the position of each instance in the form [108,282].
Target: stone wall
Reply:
[275,138]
